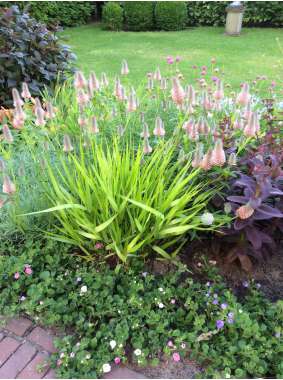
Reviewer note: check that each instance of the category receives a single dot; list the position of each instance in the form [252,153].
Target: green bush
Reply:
[35,56]
[139,15]
[64,13]
[257,13]
[171,15]
[112,16]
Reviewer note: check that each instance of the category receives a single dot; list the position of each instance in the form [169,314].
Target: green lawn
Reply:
[255,52]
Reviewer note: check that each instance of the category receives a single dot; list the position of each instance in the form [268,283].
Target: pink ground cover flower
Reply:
[16,275]
[117,360]
[28,270]
[176,357]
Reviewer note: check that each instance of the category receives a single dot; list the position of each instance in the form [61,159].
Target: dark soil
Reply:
[168,369]
[269,273]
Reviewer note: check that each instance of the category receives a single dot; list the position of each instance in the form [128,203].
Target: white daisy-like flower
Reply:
[83,289]
[161,289]
[160,305]
[207,218]
[87,356]
[137,352]
[112,344]
[72,355]
[62,355]
[106,368]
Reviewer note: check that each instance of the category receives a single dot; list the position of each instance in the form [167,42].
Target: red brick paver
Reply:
[18,361]
[18,326]
[42,338]
[7,347]
[35,369]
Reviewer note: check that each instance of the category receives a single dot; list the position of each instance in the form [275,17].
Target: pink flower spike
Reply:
[67,145]
[16,275]
[117,360]
[8,137]
[28,270]
[80,81]
[25,91]
[94,125]
[8,186]
[147,149]
[125,69]
[177,92]
[17,101]
[176,357]
[98,245]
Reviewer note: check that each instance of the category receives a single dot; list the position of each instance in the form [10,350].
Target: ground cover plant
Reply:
[133,315]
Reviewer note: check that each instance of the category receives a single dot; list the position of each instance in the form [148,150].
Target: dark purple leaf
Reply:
[254,237]
[238,199]
[267,212]
[239,224]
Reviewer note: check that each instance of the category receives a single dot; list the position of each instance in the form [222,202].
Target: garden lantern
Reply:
[234,18]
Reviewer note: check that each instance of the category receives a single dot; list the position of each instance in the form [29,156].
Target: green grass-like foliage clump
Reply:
[138,15]
[142,311]
[127,201]
[112,16]
[171,15]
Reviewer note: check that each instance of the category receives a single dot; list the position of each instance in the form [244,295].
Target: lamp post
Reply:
[234,18]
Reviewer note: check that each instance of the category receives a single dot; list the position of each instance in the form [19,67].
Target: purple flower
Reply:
[215,302]
[178,58]
[219,324]
[214,79]
[224,306]
[246,284]
[230,321]
[277,335]
[231,315]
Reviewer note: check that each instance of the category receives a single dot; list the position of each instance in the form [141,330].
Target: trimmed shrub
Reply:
[257,13]
[171,15]
[112,16]
[64,13]
[139,15]
[35,56]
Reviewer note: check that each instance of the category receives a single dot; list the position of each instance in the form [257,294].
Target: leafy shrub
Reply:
[139,15]
[35,56]
[64,13]
[112,16]
[171,15]
[113,313]
[257,13]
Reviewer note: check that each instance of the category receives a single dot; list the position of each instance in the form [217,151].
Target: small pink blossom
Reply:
[28,270]
[173,301]
[98,245]
[176,357]
[178,58]
[117,360]
[170,60]
[170,343]
[16,275]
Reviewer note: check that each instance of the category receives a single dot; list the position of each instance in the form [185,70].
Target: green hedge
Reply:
[171,15]
[257,13]
[112,16]
[64,13]
[139,15]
